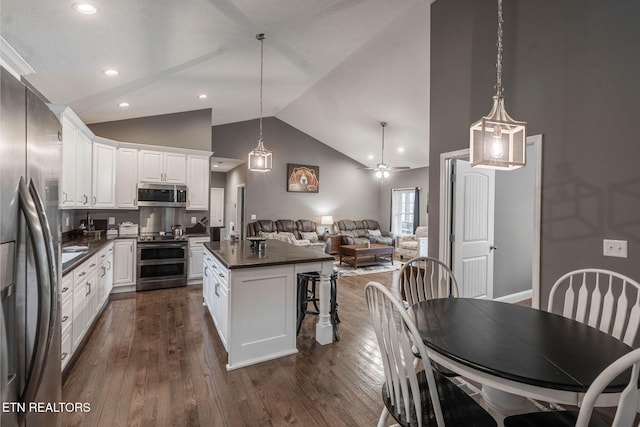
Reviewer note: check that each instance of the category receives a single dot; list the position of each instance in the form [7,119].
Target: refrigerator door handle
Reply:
[37,225]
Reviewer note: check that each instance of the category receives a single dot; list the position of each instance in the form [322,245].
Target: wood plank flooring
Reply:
[155,359]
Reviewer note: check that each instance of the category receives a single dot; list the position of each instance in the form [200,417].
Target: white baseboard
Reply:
[517,297]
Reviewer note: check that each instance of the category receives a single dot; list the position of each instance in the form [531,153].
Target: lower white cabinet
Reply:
[196,253]
[83,294]
[124,265]
[216,295]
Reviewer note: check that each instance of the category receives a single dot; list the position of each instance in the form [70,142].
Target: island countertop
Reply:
[240,254]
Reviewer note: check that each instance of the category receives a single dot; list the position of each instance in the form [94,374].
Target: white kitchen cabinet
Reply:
[127,178]
[83,169]
[162,167]
[104,175]
[207,279]
[124,265]
[68,172]
[196,263]
[216,211]
[198,173]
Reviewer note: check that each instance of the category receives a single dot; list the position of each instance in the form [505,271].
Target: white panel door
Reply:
[127,178]
[473,224]
[216,212]
[104,176]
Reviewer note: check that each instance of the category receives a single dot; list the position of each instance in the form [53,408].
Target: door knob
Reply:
[493,248]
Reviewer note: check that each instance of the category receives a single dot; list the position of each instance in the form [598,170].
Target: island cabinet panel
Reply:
[262,314]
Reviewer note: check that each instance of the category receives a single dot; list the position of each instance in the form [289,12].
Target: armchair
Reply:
[414,245]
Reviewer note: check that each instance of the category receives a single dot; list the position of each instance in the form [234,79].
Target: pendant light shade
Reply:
[497,141]
[260,159]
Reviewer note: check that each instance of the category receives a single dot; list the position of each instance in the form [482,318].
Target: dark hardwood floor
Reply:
[155,359]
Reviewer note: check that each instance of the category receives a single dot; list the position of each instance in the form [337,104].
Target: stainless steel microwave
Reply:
[162,195]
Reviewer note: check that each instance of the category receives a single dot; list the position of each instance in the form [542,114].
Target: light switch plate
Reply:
[253,216]
[112,220]
[193,220]
[615,248]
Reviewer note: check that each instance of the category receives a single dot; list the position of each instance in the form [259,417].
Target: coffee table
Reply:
[361,255]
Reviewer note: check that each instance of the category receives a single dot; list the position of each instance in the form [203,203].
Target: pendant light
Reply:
[498,141]
[260,159]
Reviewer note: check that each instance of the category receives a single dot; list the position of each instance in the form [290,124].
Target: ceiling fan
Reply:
[382,169]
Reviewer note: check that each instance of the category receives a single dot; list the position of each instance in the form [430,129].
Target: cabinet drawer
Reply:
[84,269]
[66,313]
[221,273]
[65,348]
[67,288]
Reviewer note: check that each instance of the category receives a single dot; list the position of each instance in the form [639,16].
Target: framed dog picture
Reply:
[303,178]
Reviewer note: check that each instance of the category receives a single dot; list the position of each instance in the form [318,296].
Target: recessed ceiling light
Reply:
[111,72]
[202,96]
[123,104]
[216,166]
[400,150]
[370,156]
[85,8]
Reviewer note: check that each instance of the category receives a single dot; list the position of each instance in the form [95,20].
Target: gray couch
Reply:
[302,232]
[362,232]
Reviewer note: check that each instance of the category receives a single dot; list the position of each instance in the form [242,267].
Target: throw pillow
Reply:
[374,233]
[272,235]
[311,236]
[288,237]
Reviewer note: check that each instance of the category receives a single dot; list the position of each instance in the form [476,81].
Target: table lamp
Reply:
[327,221]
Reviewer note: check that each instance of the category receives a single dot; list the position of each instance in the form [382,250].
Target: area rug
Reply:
[345,270]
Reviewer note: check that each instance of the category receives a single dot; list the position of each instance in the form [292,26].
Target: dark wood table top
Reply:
[518,343]
[241,255]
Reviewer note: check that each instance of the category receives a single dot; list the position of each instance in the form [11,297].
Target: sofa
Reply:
[362,232]
[413,245]
[302,232]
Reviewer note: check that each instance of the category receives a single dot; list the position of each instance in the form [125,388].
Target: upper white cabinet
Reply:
[104,176]
[68,176]
[77,148]
[198,172]
[163,167]
[216,212]
[127,178]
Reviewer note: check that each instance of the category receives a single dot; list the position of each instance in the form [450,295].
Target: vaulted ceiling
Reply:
[332,68]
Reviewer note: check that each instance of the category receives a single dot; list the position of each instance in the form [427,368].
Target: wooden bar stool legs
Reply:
[307,288]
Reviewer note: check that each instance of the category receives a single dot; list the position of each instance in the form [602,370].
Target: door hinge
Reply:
[452,237]
[453,177]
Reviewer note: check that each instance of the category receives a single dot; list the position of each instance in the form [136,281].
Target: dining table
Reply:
[518,352]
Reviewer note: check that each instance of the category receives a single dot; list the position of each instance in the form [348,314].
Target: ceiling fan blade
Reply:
[398,168]
[369,169]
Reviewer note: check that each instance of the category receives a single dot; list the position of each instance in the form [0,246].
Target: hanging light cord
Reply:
[261,38]
[499,56]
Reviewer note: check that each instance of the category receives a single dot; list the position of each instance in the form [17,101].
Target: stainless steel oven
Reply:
[161,264]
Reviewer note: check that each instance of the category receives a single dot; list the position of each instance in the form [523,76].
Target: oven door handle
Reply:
[144,245]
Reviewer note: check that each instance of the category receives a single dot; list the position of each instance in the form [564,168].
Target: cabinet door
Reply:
[217,207]
[92,301]
[198,172]
[79,325]
[124,262]
[104,170]
[109,284]
[175,168]
[68,172]
[127,178]
[195,262]
[83,170]
[222,304]
[150,166]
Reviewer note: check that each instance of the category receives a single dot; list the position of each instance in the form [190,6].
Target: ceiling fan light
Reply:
[385,174]
[379,174]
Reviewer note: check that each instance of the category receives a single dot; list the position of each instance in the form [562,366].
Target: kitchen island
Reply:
[251,296]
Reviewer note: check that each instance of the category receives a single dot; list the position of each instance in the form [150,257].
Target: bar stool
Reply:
[307,286]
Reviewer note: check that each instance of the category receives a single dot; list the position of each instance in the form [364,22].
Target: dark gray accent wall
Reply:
[190,129]
[345,191]
[513,225]
[218,180]
[570,71]
[412,178]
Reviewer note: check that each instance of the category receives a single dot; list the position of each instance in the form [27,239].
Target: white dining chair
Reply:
[414,397]
[626,410]
[425,278]
[602,299]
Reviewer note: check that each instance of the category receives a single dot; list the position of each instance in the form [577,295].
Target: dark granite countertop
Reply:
[93,247]
[241,255]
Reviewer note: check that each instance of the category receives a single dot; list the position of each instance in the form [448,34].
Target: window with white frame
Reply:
[403,210]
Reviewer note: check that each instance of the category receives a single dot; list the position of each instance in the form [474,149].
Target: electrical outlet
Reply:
[253,216]
[193,220]
[616,248]
[112,220]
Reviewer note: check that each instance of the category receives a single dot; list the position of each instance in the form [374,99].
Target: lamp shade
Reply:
[327,220]
[260,159]
[498,141]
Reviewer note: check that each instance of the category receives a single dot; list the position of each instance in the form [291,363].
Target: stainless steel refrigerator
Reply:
[30,150]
